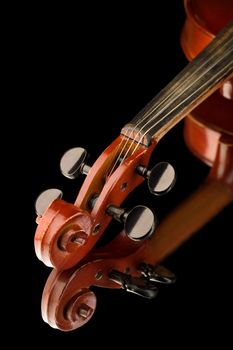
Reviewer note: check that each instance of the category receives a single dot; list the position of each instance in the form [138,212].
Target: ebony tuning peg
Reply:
[161,178]
[73,163]
[139,222]
[157,273]
[45,199]
[136,285]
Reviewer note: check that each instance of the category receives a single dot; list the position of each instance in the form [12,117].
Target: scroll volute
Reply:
[61,234]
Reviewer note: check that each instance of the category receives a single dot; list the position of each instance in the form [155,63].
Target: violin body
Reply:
[67,233]
[213,118]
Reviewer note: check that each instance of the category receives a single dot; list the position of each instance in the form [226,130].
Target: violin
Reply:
[67,234]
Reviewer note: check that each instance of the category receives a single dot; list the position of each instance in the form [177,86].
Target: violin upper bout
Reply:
[204,20]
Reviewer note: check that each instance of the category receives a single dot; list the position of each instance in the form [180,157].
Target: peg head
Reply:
[45,199]
[73,162]
[139,223]
[161,178]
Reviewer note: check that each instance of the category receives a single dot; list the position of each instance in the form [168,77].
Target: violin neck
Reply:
[187,90]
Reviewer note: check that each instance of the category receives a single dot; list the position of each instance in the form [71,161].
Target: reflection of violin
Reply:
[67,233]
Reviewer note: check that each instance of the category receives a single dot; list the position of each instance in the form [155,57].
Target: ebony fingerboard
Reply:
[188,89]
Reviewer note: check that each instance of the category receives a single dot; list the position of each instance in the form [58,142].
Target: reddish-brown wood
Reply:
[213,117]
[67,301]
[204,19]
[62,240]
[66,232]
[63,289]
[202,140]
[208,133]
[62,232]
[199,208]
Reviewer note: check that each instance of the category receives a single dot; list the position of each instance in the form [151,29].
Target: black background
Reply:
[88,72]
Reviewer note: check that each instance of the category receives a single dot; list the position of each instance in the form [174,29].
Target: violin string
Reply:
[158,112]
[172,100]
[206,60]
[178,85]
[149,112]
[213,77]
[119,155]
[128,138]
[199,78]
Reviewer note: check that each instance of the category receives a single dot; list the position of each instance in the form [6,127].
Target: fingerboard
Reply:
[187,90]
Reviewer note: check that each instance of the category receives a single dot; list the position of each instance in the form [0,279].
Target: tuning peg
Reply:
[157,273]
[161,178]
[136,285]
[73,163]
[139,222]
[45,199]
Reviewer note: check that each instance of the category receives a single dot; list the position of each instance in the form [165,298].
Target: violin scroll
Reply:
[62,234]
[67,233]
[66,310]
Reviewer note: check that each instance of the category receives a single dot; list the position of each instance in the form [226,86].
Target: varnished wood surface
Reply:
[189,217]
[65,291]
[210,68]
[214,116]
[194,295]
